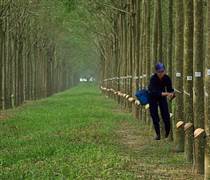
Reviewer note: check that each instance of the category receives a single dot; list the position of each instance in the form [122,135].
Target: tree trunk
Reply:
[2,66]
[198,98]
[207,105]
[188,148]
[179,23]
[188,72]
[198,166]
[169,53]
[179,141]
[148,49]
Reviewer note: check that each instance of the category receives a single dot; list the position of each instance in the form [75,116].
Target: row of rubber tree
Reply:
[29,66]
[140,33]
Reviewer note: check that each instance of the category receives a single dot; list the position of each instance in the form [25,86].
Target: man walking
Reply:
[160,88]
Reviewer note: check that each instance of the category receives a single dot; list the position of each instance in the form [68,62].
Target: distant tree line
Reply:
[30,67]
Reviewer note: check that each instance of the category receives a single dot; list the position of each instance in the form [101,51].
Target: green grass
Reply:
[80,134]
[66,135]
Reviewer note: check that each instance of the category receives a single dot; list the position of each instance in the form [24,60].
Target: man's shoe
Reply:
[167,134]
[157,138]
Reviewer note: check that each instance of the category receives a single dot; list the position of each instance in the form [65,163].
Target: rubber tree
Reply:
[178,61]
[148,46]
[198,97]
[188,74]
[157,33]
[170,51]
[207,105]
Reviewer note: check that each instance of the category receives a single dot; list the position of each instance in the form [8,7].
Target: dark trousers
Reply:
[162,103]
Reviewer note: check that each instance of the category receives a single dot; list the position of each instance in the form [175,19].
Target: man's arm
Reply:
[165,94]
[170,89]
[169,86]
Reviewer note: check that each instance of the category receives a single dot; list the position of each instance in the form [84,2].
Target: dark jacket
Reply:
[157,86]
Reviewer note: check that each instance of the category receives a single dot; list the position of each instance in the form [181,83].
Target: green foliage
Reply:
[65,23]
[77,27]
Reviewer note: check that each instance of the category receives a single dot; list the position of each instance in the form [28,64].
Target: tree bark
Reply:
[179,23]
[188,72]
[188,148]
[179,141]
[198,98]
[198,165]
[169,53]
[207,100]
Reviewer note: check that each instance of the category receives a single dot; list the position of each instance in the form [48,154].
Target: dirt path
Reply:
[152,159]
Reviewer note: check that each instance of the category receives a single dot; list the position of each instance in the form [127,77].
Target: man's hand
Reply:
[170,95]
[165,94]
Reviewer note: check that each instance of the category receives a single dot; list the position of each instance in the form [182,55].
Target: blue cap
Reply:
[159,67]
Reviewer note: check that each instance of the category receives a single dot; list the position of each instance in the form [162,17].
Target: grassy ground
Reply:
[79,134]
